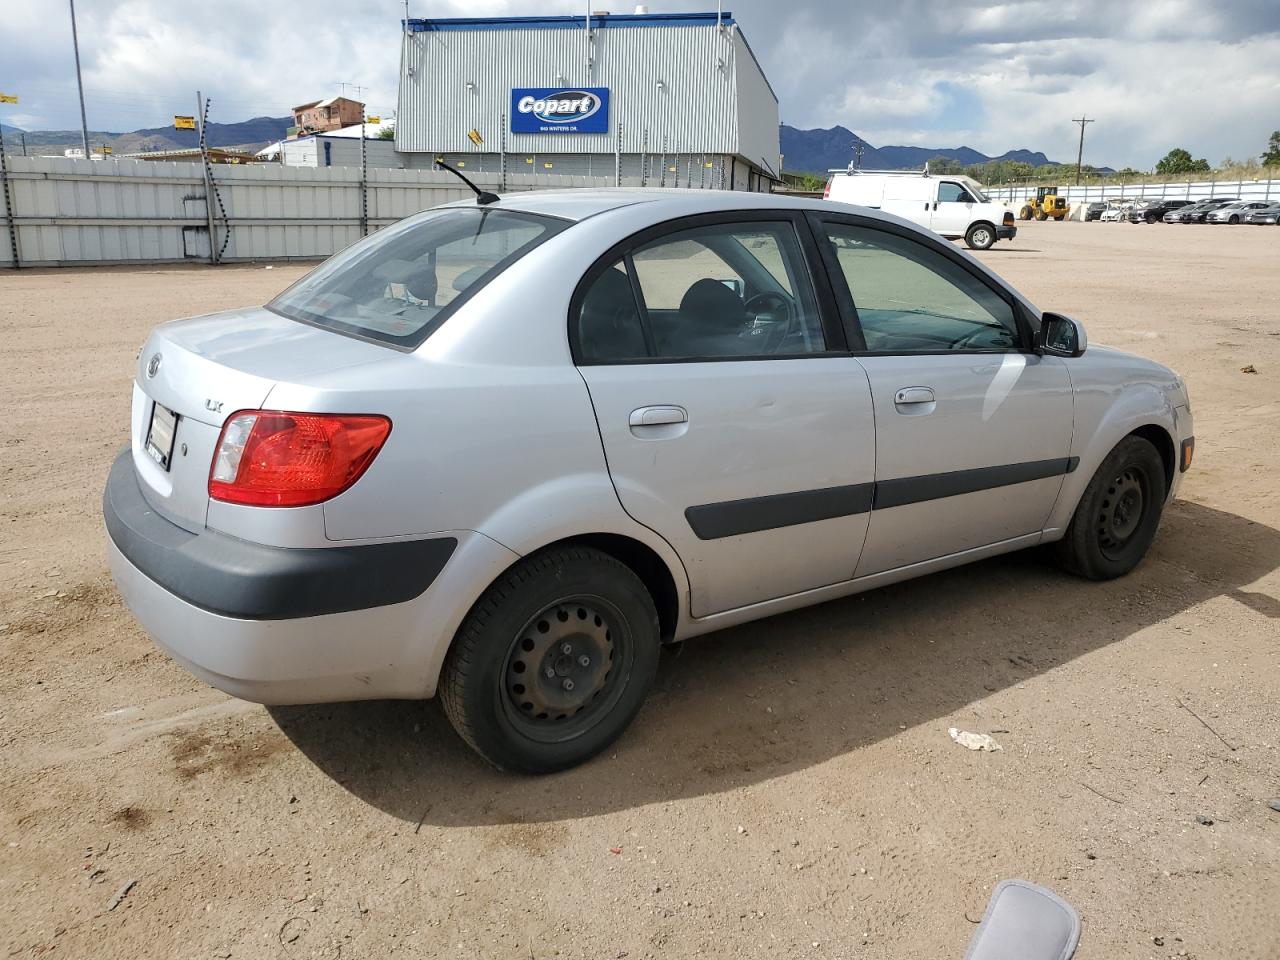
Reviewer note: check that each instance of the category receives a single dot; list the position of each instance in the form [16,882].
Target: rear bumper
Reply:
[280,626]
[1006,232]
[236,578]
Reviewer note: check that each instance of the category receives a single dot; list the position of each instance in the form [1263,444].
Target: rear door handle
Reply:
[658,416]
[913,395]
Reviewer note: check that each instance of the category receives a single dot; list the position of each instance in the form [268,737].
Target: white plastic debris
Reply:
[973,741]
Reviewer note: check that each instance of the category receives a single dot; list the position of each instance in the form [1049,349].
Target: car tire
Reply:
[1234,220]
[553,662]
[981,236]
[1116,519]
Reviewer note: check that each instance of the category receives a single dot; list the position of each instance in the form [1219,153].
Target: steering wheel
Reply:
[778,332]
[983,339]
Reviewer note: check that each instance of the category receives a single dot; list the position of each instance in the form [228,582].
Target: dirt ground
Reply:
[789,790]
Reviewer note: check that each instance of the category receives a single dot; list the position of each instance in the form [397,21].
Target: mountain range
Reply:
[817,151]
[257,132]
[808,151]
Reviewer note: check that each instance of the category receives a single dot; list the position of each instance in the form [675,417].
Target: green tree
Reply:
[1178,160]
[941,164]
[387,133]
[1272,157]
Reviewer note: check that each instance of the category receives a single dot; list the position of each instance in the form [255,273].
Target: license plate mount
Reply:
[160,435]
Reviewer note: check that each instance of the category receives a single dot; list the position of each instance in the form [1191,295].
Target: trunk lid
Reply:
[203,370]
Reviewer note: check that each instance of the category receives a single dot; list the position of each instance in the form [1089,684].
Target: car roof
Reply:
[668,203]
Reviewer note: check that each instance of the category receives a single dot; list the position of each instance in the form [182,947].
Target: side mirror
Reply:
[1060,336]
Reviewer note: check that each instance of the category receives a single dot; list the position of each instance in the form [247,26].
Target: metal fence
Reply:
[58,211]
[1177,190]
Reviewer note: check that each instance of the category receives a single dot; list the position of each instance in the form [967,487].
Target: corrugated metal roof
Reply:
[568,22]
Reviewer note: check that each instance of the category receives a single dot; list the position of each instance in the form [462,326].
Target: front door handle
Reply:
[913,395]
[658,416]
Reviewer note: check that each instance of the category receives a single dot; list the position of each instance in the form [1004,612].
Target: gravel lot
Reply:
[789,790]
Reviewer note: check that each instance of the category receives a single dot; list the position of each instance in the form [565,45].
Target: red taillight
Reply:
[826,192]
[270,458]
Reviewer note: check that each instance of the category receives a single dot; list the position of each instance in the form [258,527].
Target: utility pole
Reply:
[857,152]
[1080,156]
[75,45]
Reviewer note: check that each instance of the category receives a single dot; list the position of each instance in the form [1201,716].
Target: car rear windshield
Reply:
[400,284]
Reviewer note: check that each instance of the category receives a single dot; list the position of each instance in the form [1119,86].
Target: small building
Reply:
[337,148]
[321,116]
[674,99]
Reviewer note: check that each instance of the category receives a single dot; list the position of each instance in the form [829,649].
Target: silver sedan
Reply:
[1233,213]
[504,450]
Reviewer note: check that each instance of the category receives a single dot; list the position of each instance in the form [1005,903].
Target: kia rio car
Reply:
[503,451]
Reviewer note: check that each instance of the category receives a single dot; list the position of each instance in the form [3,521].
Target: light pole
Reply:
[75,46]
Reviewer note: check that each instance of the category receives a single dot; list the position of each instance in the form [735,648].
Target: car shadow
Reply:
[761,700]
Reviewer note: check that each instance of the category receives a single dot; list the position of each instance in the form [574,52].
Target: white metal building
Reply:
[658,99]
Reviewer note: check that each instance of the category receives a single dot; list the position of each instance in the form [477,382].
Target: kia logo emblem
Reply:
[153,365]
[563,106]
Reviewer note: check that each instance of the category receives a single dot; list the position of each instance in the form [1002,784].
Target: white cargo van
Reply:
[951,205]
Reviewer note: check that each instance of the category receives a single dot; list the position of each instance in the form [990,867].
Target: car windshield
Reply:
[400,284]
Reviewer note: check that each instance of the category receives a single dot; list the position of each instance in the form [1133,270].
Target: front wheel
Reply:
[1117,517]
[981,236]
[1234,220]
[1041,215]
[553,662]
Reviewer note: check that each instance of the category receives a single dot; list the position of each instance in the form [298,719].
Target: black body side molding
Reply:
[732,517]
[934,486]
[712,521]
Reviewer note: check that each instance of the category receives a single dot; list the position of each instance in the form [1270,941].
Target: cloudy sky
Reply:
[1202,74]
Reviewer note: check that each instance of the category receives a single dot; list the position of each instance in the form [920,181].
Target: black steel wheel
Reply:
[553,662]
[1116,519]
[1120,513]
[560,674]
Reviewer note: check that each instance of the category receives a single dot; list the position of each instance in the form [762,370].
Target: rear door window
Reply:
[726,290]
[400,284]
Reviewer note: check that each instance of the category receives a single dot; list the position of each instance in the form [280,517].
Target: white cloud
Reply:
[992,75]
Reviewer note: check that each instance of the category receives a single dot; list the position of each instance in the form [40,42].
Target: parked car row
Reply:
[1230,210]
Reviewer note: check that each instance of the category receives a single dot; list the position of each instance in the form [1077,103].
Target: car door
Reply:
[734,422]
[953,209]
[973,429]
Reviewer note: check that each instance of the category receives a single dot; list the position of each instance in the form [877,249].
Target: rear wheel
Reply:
[1234,219]
[981,236]
[1024,213]
[1117,517]
[1041,215]
[553,662]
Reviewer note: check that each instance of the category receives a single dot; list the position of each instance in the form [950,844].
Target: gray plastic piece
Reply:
[1025,922]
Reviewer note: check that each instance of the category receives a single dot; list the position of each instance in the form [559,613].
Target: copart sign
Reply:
[560,110]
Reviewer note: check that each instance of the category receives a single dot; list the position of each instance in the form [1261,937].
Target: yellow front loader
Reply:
[1045,205]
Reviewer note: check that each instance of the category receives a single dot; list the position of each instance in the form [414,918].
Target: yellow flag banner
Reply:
[184,123]
[8,98]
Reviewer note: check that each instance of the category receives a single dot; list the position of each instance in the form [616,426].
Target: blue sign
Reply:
[560,110]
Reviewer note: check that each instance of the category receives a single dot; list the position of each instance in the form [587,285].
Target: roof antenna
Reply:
[482,196]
